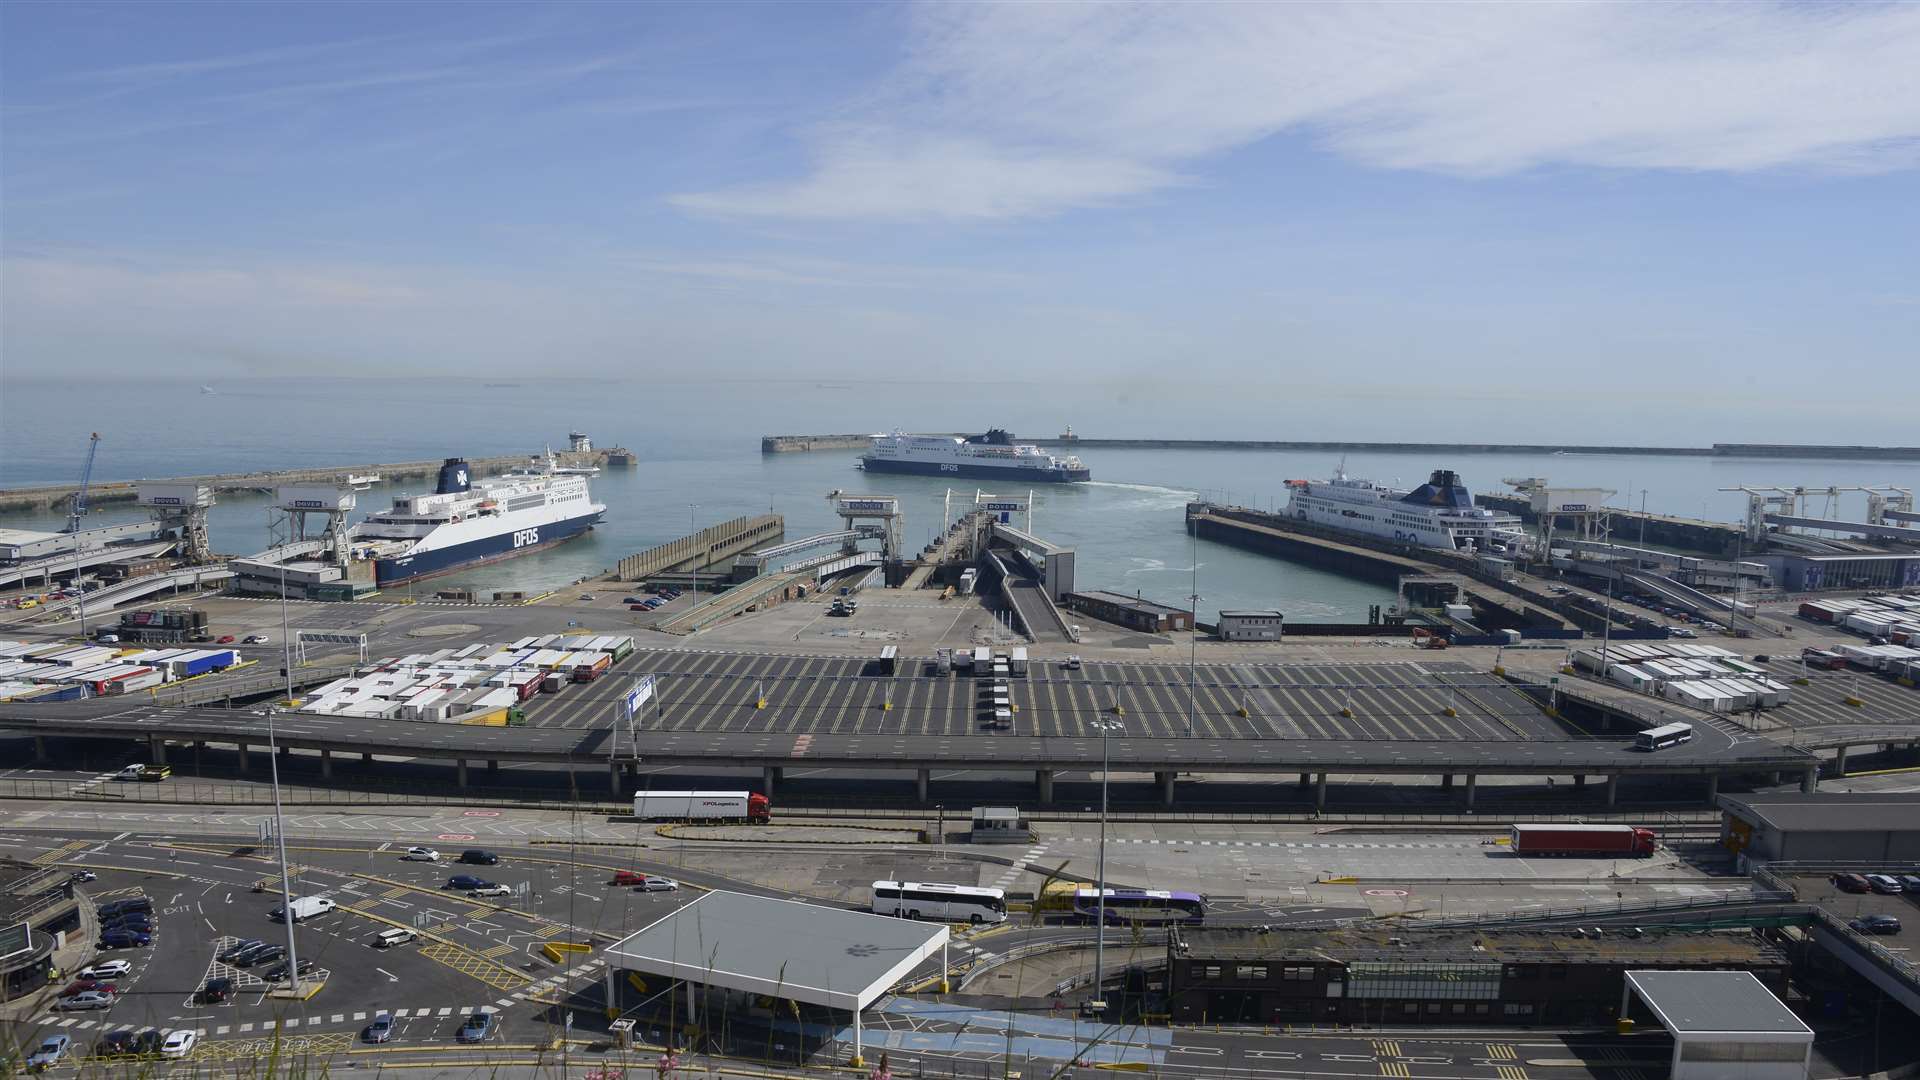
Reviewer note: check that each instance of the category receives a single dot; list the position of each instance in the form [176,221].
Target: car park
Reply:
[107,969]
[179,1044]
[659,884]
[479,857]
[1876,924]
[124,939]
[420,854]
[1852,883]
[381,1030]
[52,1051]
[1883,883]
[464,882]
[478,1027]
[1910,883]
[215,991]
[85,999]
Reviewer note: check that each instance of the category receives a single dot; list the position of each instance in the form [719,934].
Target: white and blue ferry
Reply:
[994,455]
[465,523]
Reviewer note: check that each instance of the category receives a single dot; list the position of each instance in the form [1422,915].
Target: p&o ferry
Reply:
[464,523]
[993,455]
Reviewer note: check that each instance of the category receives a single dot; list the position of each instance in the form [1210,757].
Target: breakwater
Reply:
[788,444]
[47,496]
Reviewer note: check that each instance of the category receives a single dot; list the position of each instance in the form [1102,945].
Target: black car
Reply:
[215,992]
[243,955]
[277,973]
[479,857]
[1876,924]
[262,956]
[138,920]
[464,881]
[240,947]
[122,907]
[116,1044]
[148,1043]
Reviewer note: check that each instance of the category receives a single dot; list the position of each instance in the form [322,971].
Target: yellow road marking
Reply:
[1510,1072]
[550,930]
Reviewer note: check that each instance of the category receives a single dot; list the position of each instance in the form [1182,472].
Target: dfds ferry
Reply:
[465,524]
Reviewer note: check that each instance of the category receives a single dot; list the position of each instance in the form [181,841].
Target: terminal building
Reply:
[1483,977]
[1251,625]
[38,907]
[1132,612]
[1836,826]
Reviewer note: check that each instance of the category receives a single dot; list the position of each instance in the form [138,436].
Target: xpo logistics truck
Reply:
[1602,841]
[702,806]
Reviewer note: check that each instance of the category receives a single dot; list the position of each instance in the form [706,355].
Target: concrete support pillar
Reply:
[1613,790]
[1713,788]
[859,1056]
[1840,762]
[460,771]
[493,765]
[1043,778]
[157,749]
[1305,779]
[1166,780]
[1473,782]
[778,772]
[1446,781]
[1579,781]
[39,748]
[242,749]
[326,764]
[613,777]
[1320,791]
[366,759]
[769,779]
[1810,781]
[921,779]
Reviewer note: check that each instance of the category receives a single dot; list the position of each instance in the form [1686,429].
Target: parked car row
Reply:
[643,882]
[1885,884]
[125,924]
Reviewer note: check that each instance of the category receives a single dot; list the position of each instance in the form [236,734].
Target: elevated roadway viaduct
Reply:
[772,750]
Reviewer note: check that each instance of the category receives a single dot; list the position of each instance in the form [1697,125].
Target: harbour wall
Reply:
[787,444]
[52,495]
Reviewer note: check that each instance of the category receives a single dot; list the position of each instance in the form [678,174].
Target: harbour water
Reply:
[698,445]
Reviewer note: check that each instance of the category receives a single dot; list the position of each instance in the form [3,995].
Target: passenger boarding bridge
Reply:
[1053,562]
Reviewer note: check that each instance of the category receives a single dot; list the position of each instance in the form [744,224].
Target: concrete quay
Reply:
[48,496]
[787,444]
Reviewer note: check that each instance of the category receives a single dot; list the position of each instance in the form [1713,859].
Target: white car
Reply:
[130,772]
[420,854]
[107,969]
[256,639]
[492,890]
[179,1044]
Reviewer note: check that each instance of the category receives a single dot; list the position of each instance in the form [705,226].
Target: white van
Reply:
[304,907]
[399,935]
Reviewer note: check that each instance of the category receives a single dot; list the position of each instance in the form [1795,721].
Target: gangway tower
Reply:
[857,512]
[183,507]
[331,503]
[1585,510]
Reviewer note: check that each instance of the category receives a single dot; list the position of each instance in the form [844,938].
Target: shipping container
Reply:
[702,806]
[1601,840]
[1018,665]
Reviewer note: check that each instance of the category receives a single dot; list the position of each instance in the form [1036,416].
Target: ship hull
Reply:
[487,549]
[989,472]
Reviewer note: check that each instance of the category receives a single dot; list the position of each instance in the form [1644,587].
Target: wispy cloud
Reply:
[741,270]
[1014,110]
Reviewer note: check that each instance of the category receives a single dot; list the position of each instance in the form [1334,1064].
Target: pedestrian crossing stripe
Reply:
[1502,1050]
[1394,1068]
[1510,1072]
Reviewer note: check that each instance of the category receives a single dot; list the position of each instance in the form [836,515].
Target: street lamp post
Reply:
[273,772]
[698,560]
[1100,875]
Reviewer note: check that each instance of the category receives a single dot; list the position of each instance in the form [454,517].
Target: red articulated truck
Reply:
[1597,840]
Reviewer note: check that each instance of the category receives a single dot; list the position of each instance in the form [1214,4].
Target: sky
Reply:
[1716,200]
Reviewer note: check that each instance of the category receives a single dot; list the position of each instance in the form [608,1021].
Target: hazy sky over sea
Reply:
[1479,202]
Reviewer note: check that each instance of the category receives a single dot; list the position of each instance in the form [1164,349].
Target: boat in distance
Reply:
[466,523]
[1438,514]
[993,455]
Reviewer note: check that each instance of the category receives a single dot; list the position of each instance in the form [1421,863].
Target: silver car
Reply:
[85,999]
